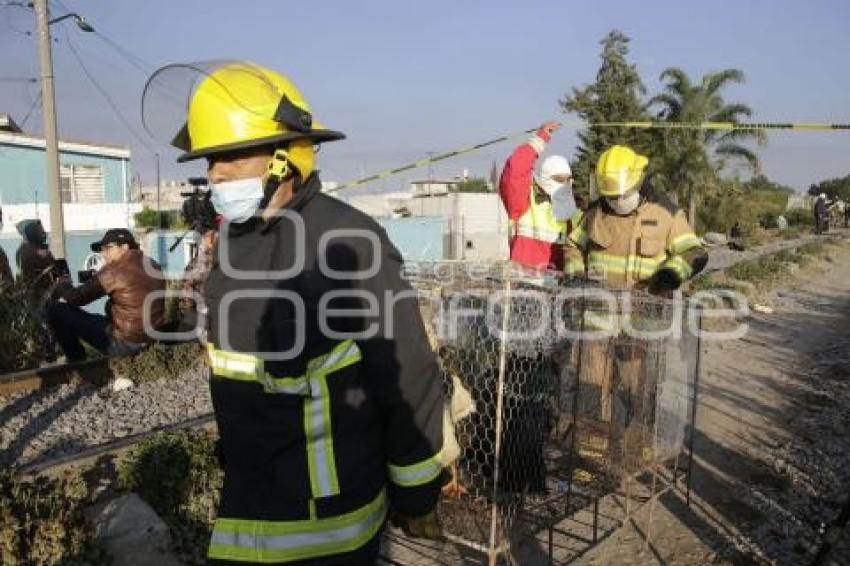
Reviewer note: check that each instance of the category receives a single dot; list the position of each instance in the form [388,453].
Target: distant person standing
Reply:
[821,214]
[6,277]
[34,258]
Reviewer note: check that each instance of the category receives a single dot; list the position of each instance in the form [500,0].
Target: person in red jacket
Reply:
[538,206]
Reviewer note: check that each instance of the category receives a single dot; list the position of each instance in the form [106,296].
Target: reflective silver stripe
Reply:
[284,541]
[292,386]
[416,474]
[318,427]
[538,233]
[338,354]
[323,478]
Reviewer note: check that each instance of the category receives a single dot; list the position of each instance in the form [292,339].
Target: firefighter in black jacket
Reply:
[327,395]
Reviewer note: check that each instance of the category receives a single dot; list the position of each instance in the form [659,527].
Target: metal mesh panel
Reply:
[557,394]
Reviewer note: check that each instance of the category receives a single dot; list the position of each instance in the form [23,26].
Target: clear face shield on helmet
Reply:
[215,106]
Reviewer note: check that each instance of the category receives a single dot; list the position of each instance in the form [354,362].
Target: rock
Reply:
[121,383]
[131,532]
[715,239]
[763,309]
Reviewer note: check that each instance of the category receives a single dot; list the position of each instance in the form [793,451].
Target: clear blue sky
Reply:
[405,78]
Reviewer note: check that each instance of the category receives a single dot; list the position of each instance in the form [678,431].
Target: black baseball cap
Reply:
[116,236]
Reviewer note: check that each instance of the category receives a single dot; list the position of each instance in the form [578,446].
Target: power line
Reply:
[134,60]
[31,109]
[105,95]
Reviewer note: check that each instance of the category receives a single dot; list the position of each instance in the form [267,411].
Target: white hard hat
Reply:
[823,196]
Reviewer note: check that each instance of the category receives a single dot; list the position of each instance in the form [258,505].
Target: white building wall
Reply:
[78,216]
[477,226]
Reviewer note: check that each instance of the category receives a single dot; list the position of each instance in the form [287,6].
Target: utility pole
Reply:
[158,189]
[54,192]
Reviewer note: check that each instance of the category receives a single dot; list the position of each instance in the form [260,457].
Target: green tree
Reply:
[171,219]
[473,185]
[686,162]
[616,96]
[834,188]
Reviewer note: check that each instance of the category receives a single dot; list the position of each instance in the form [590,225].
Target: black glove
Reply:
[664,281]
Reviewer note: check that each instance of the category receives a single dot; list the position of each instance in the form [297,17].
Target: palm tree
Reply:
[689,160]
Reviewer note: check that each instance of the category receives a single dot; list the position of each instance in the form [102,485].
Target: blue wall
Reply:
[417,238]
[23,173]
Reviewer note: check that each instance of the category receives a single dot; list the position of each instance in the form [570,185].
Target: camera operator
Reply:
[200,215]
[128,277]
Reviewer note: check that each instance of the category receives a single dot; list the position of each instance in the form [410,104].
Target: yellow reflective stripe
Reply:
[573,266]
[684,242]
[579,236]
[245,367]
[321,461]
[416,474]
[539,223]
[233,365]
[319,435]
[344,354]
[287,541]
[642,266]
[679,265]
[600,321]
[538,233]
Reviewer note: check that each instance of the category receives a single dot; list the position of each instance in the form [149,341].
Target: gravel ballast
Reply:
[60,421]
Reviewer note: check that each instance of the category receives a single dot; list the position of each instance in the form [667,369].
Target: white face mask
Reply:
[237,201]
[624,205]
[563,203]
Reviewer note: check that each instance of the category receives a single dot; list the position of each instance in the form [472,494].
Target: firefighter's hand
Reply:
[548,128]
[664,282]
[424,526]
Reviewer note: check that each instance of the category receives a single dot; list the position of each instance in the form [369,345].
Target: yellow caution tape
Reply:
[747,126]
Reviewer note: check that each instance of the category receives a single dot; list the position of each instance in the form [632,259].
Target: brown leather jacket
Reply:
[127,284]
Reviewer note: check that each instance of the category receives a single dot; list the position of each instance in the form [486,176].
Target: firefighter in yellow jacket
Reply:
[631,237]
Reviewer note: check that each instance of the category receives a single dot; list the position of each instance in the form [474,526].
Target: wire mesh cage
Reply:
[558,393]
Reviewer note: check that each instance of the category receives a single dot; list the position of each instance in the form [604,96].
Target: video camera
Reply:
[197,211]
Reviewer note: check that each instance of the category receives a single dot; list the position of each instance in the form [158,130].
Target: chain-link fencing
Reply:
[559,393]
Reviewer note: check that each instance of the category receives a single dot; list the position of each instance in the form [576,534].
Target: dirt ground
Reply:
[772,448]
[772,455]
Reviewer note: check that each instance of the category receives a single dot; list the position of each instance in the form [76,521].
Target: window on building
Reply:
[82,183]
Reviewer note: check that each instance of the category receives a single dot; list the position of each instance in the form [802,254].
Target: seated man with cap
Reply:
[128,277]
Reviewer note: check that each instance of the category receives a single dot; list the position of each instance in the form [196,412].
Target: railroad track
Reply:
[96,372]
[111,447]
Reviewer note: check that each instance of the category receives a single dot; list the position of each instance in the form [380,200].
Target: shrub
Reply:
[816,248]
[42,521]
[790,233]
[178,475]
[762,271]
[159,361]
[20,329]
[799,217]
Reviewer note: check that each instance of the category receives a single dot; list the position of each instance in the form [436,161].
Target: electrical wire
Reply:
[32,108]
[106,96]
